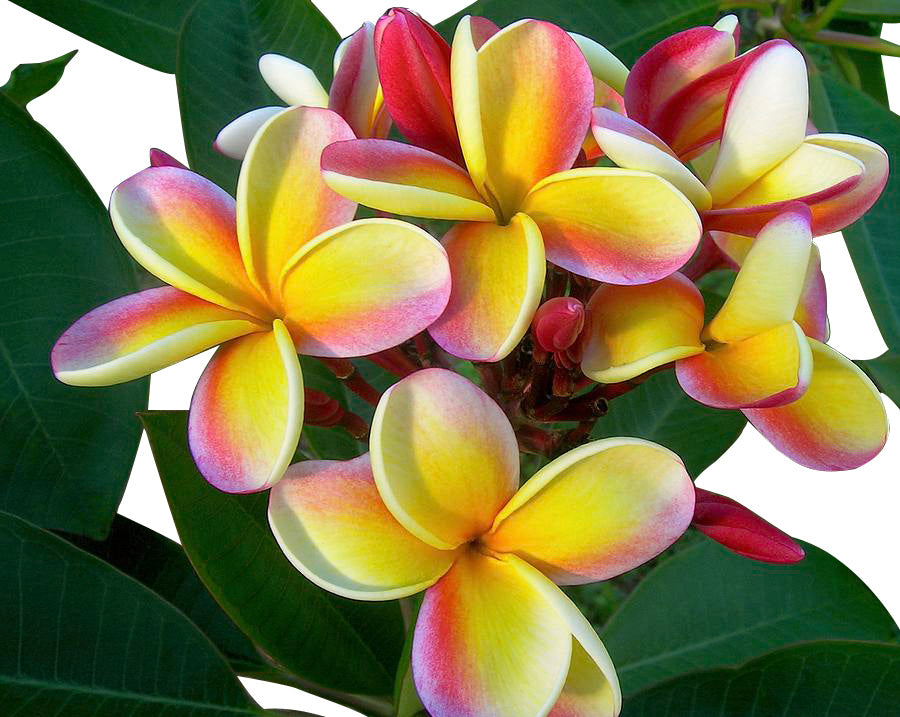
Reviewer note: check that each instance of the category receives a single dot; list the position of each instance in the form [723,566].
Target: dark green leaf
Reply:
[31,80]
[145,31]
[334,642]
[707,607]
[658,410]
[877,10]
[872,241]
[817,679]
[217,72]
[885,373]
[161,564]
[66,452]
[81,638]
[625,27]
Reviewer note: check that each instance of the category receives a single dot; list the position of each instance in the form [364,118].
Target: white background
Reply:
[108,111]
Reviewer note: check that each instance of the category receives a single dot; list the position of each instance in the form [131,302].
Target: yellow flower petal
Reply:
[769,284]
[247,412]
[364,287]
[489,642]
[838,424]
[444,456]
[282,201]
[632,329]
[498,275]
[597,511]
[332,525]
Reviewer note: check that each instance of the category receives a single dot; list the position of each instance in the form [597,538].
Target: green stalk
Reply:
[833,38]
[824,16]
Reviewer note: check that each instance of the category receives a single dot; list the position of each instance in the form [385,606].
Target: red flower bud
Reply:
[354,91]
[158,158]
[558,323]
[414,67]
[321,409]
[742,531]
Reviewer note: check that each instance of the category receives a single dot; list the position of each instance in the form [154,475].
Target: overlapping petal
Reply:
[444,456]
[632,146]
[605,66]
[180,227]
[597,511]
[403,179]
[282,201]
[615,225]
[632,329]
[414,66]
[364,287]
[247,412]
[489,642]
[234,138]
[294,83]
[838,424]
[765,121]
[812,309]
[769,369]
[769,284]
[671,65]
[534,96]
[333,526]
[141,333]
[498,275]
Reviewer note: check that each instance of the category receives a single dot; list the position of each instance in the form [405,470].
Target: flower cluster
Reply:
[539,146]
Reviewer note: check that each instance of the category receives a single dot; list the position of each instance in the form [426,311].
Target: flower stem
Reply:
[824,16]
[851,41]
[351,378]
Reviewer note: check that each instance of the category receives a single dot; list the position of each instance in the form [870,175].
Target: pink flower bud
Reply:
[414,67]
[742,531]
[558,323]
[158,158]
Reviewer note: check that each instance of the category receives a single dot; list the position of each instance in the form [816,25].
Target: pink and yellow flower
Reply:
[282,270]
[741,122]
[809,401]
[436,506]
[521,104]
[355,93]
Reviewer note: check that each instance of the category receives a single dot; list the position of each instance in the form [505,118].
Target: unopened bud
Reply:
[742,531]
[158,158]
[557,326]
[414,68]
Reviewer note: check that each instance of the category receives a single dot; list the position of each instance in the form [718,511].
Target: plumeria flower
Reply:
[282,270]
[436,506]
[521,105]
[355,93]
[808,400]
[743,123]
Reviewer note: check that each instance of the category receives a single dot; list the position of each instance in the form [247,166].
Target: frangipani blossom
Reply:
[282,270]
[355,93]
[743,122]
[436,506]
[521,105]
[809,401]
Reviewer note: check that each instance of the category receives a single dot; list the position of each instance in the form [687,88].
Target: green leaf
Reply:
[145,31]
[817,679]
[161,564]
[871,240]
[29,81]
[334,642]
[885,373]
[66,452]
[658,410]
[81,638]
[625,27]
[217,72]
[707,607]
[877,10]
